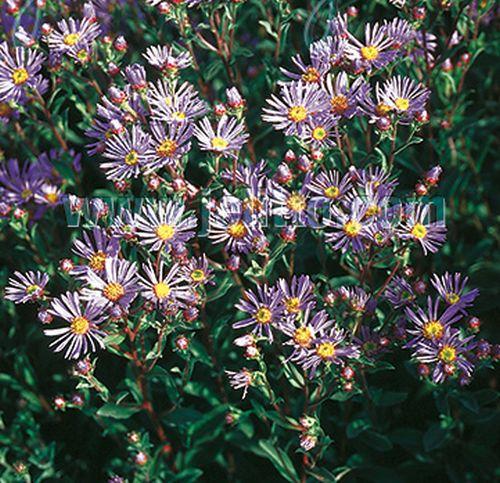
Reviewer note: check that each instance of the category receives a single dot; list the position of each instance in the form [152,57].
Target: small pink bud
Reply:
[120,44]
[66,265]
[182,343]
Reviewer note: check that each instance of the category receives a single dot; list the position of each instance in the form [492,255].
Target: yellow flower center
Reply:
[26,193]
[297,113]
[448,354]
[219,143]
[32,289]
[20,76]
[296,202]
[131,158]
[179,115]
[339,104]
[382,109]
[97,261]
[452,298]
[319,133]
[331,192]
[82,55]
[370,52]
[71,39]
[263,315]
[114,291]
[372,210]
[167,148]
[161,290]
[326,350]
[433,329]
[352,228]
[419,231]
[302,336]
[311,75]
[165,232]
[52,198]
[197,275]
[237,230]
[292,305]
[402,104]
[80,325]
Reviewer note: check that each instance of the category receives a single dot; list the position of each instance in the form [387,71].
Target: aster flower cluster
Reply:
[334,86]
[440,330]
[30,188]
[111,287]
[145,129]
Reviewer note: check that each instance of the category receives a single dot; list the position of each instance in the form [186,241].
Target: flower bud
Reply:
[220,109]
[251,352]
[290,156]
[419,13]
[153,183]
[432,176]
[420,287]
[283,174]
[182,343]
[308,442]
[304,164]
[45,317]
[233,263]
[59,403]
[347,372]
[287,234]
[244,341]
[190,314]
[352,11]
[384,123]
[317,155]
[66,265]
[120,44]
[422,116]
[141,458]
[474,323]
[121,185]
[116,95]
[421,189]
[447,65]
[113,69]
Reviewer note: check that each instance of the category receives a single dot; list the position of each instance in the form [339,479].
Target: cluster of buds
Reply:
[249,343]
[429,181]
[310,430]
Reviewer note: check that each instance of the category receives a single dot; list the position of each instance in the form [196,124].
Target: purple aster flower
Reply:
[370,342]
[375,52]
[49,195]
[297,104]
[373,178]
[297,295]
[26,287]
[96,247]
[400,31]
[415,226]
[399,293]
[430,325]
[292,205]
[350,230]
[309,74]
[344,99]
[136,76]
[165,59]
[226,140]
[330,50]
[115,287]
[304,330]
[171,103]
[227,224]
[403,96]
[448,353]
[164,288]
[425,46]
[358,299]
[170,142]
[82,335]
[198,271]
[452,289]
[19,72]
[327,186]
[128,152]
[124,225]
[265,309]
[337,26]
[21,184]
[330,348]
[319,132]
[240,380]
[163,223]
[74,38]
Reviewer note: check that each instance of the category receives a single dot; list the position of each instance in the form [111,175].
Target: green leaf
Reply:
[280,460]
[115,411]
[208,427]
[434,437]
[356,427]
